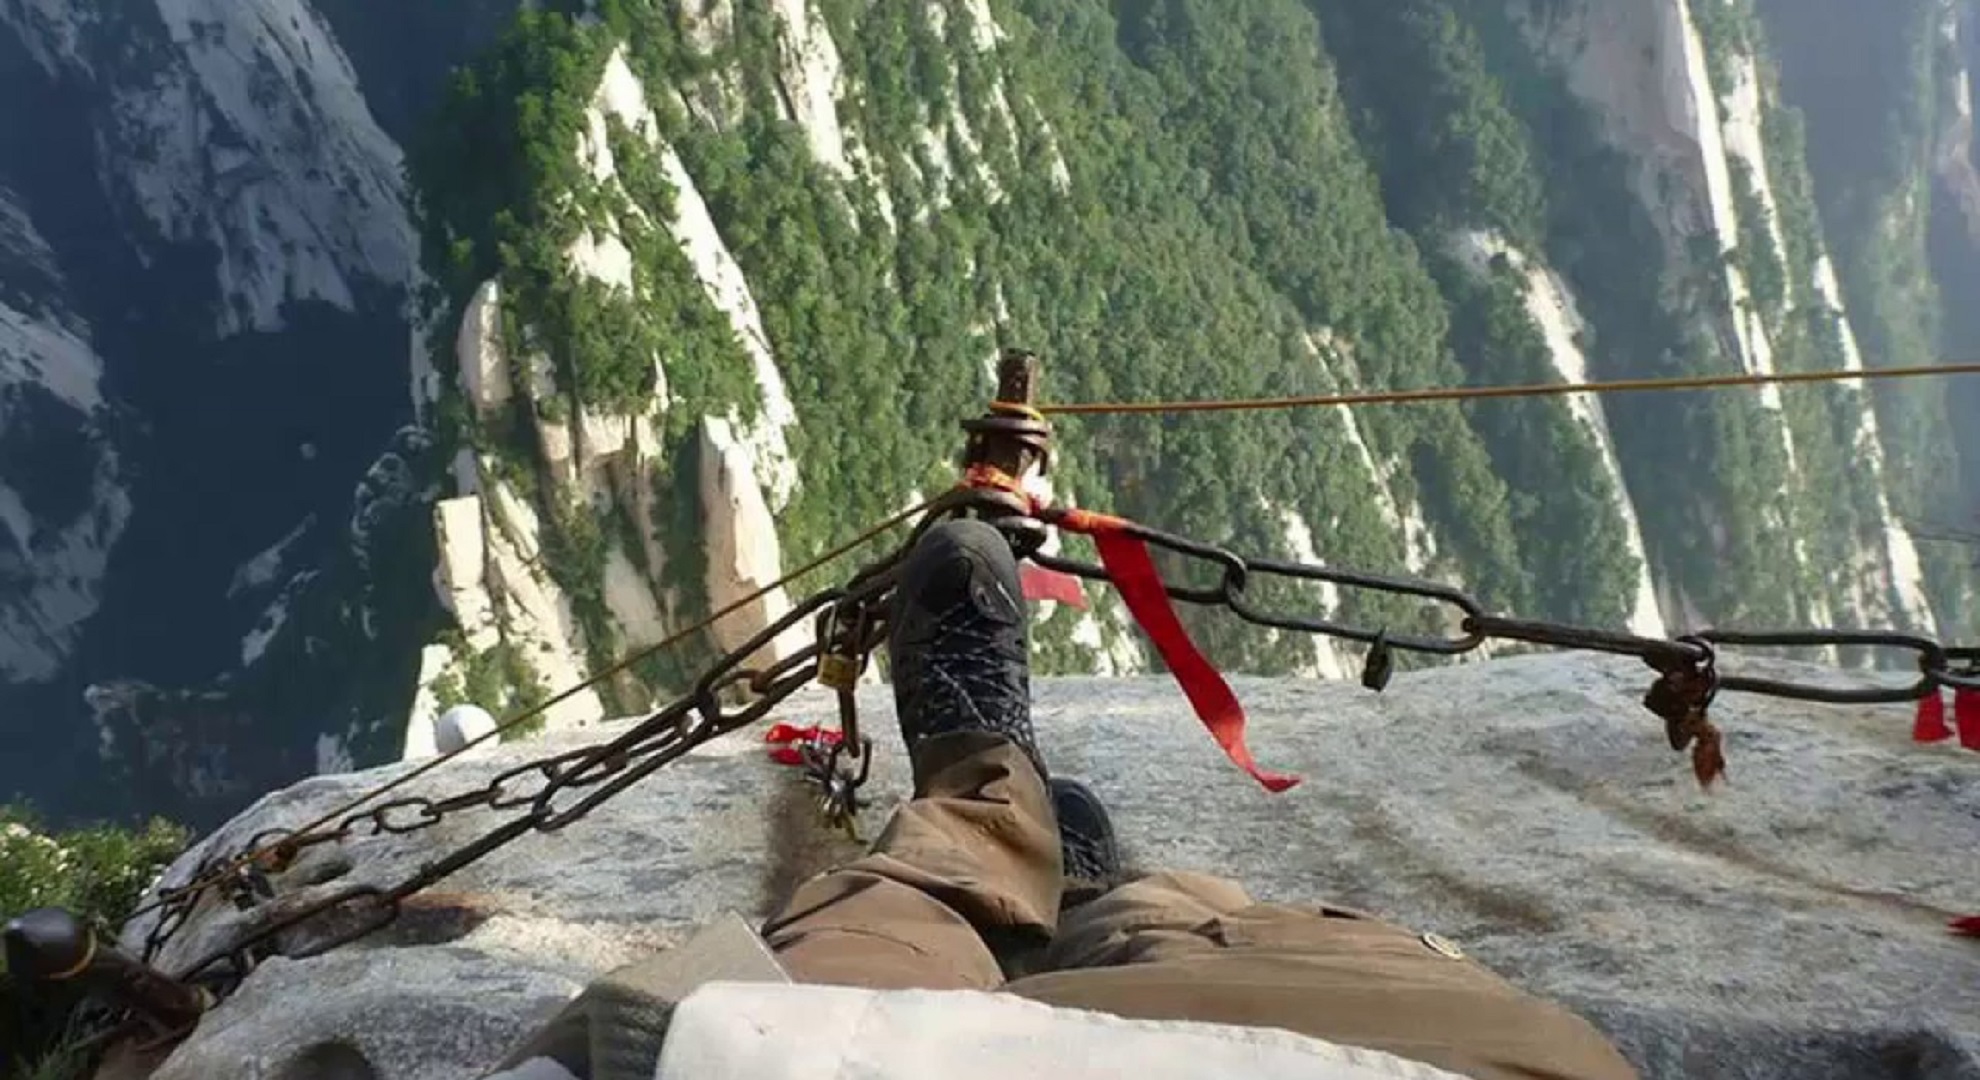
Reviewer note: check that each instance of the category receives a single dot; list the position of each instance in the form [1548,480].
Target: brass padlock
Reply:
[837,671]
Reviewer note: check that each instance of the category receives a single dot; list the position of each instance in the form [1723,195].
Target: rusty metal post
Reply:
[50,946]
[1013,439]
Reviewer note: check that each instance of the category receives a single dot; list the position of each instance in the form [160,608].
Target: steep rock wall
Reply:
[1550,304]
[1690,95]
[205,251]
[63,505]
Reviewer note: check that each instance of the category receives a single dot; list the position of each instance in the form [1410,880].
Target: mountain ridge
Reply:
[824,220]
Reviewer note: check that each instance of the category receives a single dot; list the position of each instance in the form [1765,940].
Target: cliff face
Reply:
[658,500]
[201,271]
[1788,515]
[1952,513]
[1886,95]
[1548,830]
[1692,93]
[702,289]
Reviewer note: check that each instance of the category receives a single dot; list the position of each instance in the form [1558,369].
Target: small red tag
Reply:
[787,741]
[1966,714]
[1042,584]
[1930,726]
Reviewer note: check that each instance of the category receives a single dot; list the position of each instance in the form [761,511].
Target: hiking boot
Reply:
[959,643]
[1086,836]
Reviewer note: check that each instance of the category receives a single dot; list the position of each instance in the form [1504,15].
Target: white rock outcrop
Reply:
[462,576]
[482,358]
[1551,305]
[601,435]
[741,545]
[1331,659]
[491,578]
[719,273]
[420,741]
[630,597]
[538,620]
[812,82]
[1642,67]
[1527,809]
[707,23]
[622,96]
[1405,519]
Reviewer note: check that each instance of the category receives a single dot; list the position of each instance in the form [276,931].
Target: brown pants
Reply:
[962,891]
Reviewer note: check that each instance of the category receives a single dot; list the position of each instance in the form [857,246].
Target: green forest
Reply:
[1259,200]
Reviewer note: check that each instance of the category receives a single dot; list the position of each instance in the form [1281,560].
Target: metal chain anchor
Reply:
[847,628]
[1681,696]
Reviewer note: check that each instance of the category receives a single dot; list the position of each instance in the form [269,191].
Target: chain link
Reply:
[850,623]
[1938,666]
[729,695]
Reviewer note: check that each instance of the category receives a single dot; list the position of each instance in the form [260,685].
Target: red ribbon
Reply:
[1966,714]
[1133,572]
[785,740]
[1930,726]
[1042,584]
[1967,927]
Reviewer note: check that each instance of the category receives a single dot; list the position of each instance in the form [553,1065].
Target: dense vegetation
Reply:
[1835,510]
[1258,197]
[97,872]
[1456,159]
[1868,83]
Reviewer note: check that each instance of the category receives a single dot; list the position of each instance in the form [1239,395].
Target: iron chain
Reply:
[1939,666]
[599,772]
[557,791]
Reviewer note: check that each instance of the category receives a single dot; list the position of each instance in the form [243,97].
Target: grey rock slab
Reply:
[424,1014]
[1790,923]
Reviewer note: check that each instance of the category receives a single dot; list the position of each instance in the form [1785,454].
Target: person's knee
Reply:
[1187,888]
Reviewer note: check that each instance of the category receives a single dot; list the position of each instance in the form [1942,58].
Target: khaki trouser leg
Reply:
[1181,946]
[974,856]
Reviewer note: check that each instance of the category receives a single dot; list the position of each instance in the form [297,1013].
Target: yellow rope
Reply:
[1018,409]
[1476,393]
[532,713]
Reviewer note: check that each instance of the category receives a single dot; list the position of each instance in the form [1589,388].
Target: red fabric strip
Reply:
[1133,572]
[786,741]
[1042,584]
[1930,726]
[1966,714]
[1967,927]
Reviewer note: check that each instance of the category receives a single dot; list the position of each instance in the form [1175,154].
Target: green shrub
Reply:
[99,873]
